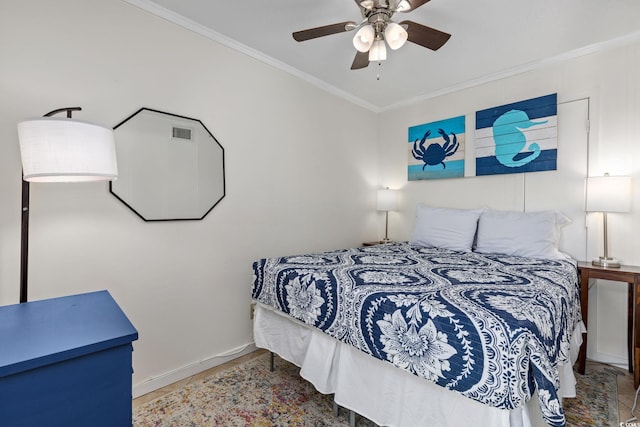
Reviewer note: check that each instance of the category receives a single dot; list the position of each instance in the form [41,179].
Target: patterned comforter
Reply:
[491,327]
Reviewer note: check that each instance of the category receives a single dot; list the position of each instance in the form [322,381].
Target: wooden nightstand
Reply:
[377,242]
[628,274]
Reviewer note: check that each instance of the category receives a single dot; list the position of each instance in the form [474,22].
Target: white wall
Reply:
[301,175]
[610,80]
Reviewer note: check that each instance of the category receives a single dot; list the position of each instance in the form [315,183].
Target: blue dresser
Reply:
[66,362]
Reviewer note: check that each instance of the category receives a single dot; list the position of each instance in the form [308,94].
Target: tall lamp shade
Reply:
[608,194]
[387,200]
[60,150]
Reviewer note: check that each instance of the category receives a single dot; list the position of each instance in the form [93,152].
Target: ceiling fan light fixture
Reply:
[376,27]
[403,6]
[378,51]
[367,4]
[395,35]
[364,38]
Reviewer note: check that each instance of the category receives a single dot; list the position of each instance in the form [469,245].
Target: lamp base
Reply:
[606,262]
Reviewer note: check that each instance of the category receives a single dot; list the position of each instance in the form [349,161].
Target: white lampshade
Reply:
[363,39]
[387,200]
[378,51]
[395,35]
[65,150]
[609,194]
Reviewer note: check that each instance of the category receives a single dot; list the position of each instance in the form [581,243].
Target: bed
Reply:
[462,324]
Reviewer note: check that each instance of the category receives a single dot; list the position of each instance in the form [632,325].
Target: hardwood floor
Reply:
[626,392]
[626,396]
[178,385]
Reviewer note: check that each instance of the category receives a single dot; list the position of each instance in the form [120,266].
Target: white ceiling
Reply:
[490,39]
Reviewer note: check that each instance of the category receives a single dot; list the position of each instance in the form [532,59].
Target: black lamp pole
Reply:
[24,240]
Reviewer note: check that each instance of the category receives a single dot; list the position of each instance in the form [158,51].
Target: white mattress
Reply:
[382,392]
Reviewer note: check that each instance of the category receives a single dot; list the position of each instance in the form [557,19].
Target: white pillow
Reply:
[445,228]
[527,234]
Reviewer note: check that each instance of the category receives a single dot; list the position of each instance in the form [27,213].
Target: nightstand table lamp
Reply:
[387,200]
[608,194]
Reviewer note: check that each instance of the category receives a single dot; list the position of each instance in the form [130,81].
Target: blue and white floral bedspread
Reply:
[491,327]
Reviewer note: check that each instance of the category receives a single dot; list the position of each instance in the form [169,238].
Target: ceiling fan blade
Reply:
[360,61]
[326,30]
[425,36]
[414,4]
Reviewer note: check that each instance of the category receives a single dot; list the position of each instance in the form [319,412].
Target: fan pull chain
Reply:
[379,68]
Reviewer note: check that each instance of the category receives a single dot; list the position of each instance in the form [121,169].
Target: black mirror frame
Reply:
[224,186]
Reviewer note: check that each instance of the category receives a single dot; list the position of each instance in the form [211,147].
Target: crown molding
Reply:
[191,25]
[200,29]
[530,66]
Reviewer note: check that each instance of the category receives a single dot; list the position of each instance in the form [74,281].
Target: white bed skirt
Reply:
[380,391]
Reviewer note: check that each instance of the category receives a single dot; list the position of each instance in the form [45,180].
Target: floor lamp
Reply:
[608,194]
[55,149]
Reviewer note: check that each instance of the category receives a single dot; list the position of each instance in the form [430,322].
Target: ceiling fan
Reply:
[377,27]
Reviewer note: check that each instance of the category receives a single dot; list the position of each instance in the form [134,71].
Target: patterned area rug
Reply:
[596,403]
[250,395]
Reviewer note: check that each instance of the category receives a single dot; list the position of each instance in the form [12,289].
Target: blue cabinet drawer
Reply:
[66,362]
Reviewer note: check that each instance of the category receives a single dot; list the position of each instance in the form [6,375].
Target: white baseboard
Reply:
[155,383]
[609,360]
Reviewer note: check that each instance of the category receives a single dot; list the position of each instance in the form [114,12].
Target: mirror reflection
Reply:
[170,167]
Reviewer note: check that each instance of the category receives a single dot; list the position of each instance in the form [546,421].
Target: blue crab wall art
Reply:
[435,154]
[436,149]
[518,137]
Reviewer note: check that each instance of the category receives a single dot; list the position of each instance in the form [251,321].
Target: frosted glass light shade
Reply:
[387,200]
[367,4]
[403,6]
[378,51]
[64,150]
[363,39]
[395,35]
[609,194]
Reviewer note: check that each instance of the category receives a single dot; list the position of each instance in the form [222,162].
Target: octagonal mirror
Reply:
[170,167]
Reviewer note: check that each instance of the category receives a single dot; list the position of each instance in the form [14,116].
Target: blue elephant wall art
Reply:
[436,149]
[518,137]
